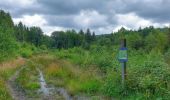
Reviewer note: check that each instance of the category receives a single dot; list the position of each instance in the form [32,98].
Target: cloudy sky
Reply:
[102,16]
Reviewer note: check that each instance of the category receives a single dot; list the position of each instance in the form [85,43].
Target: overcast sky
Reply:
[102,16]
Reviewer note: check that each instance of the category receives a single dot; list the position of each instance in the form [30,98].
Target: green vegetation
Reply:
[4,92]
[85,63]
[28,79]
[64,74]
[7,69]
[148,74]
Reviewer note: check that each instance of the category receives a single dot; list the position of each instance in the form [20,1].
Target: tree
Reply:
[135,41]
[93,36]
[46,41]
[81,32]
[88,36]
[169,34]
[59,39]
[8,45]
[20,32]
[6,23]
[157,41]
[35,36]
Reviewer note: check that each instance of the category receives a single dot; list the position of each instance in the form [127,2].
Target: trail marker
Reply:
[123,58]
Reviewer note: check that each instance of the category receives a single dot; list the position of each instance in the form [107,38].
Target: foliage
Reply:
[28,78]
[135,41]
[97,55]
[8,45]
[150,78]
[7,69]
[27,50]
[112,85]
[4,95]
[64,74]
[156,41]
[78,52]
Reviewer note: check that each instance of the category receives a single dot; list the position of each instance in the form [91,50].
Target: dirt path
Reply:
[52,93]
[45,92]
[15,91]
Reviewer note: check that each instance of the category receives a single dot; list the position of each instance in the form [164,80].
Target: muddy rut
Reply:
[44,93]
[14,89]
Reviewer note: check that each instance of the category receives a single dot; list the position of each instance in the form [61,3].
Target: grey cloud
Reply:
[154,10]
[63,12]
[71,6]
[63,21]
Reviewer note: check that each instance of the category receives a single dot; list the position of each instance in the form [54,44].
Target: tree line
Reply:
[58,39]
[10,35]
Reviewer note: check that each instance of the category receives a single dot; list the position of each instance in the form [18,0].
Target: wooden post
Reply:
[124,75]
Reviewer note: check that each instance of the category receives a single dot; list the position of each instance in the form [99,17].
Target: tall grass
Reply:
[148,73]
[28,79]
[75,79]
[7,69]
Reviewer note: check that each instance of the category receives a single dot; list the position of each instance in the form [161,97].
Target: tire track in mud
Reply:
[51,92]
[16,92]
[45,92]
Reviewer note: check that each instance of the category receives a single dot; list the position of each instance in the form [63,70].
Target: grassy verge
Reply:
[76,80]
[6,70]
[148,73]
[28,79]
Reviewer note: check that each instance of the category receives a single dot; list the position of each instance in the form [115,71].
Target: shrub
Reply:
[8,46]
[167,56]
[26,50]
[151,78]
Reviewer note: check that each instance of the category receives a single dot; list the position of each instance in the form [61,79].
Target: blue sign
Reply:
[123,56]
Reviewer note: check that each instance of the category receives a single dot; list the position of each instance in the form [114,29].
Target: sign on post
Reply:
[123,57]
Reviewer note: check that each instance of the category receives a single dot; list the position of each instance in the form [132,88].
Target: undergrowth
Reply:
[28,79]
[7,69]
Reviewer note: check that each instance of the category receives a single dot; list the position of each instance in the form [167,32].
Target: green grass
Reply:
[28,78]
[7,69]
[4,93]
[148,73]
[87,86]
[98,72]
[75,79]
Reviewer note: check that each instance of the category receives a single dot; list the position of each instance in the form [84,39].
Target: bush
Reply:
[26,50]
[101,57]
[26,53]
[75,55]
[8,46]
[167,56]
[97,55]
[151,78]
[148,78]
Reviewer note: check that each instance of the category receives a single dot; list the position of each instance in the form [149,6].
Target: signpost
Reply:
[123,58]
